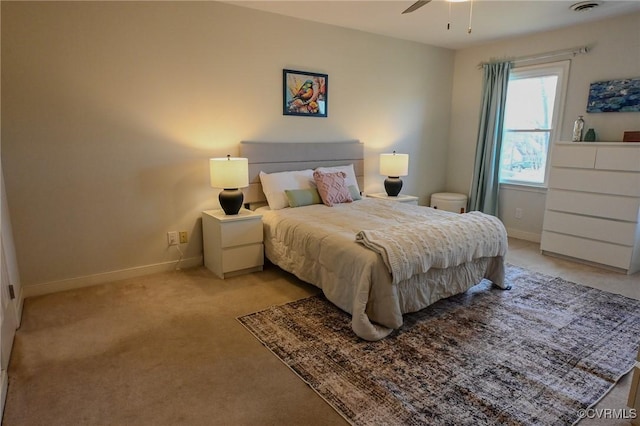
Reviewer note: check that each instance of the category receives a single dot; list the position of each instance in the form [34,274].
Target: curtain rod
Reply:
[574,51]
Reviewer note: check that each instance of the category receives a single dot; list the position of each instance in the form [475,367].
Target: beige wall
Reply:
[110,112]
[615,54]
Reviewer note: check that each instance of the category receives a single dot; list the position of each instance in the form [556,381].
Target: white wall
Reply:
[615,54]
[112,109]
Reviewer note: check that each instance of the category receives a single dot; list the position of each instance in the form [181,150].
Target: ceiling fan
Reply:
[417,5]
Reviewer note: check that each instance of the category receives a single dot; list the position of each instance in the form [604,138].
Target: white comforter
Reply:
[318,244]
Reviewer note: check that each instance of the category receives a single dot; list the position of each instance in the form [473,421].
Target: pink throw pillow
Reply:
[332,188]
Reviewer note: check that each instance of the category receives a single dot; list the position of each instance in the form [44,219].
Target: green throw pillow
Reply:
[303,197]
[355,195]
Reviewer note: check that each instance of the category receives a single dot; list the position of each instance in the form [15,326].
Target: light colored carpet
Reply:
[166,349]
[541,353]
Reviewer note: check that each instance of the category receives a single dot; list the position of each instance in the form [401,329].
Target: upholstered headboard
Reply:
[271,157]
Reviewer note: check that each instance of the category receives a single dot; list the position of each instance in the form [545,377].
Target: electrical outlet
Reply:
[184,237]
[518,213]
[172,238]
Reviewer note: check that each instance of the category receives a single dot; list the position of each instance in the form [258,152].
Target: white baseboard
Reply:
[90,280]
[524,235]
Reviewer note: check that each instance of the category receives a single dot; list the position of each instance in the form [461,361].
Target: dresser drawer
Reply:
[241,232]
[618,158]
[244,257]
[574,156]
[581,248]
[600,205]
[598,181]
[591,227]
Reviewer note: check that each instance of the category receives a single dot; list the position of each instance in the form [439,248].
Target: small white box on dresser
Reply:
[232,244]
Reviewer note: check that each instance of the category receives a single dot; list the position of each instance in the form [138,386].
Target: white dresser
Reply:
[593,204]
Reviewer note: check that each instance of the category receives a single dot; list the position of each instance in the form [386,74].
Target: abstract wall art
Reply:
[614,96]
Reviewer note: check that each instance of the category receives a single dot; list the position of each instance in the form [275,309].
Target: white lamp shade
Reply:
[229,172]
[394,164]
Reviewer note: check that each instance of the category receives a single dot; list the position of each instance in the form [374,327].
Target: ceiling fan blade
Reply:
[416,5]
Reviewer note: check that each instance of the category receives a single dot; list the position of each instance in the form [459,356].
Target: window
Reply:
[534,101]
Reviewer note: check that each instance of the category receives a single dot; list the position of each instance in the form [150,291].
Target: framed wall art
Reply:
[614,96]
[304,93]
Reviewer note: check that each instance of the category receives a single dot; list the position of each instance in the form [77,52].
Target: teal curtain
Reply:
[484,188]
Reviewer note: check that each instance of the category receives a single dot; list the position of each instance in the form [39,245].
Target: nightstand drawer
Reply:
[401,198]
[241,233]
[244,257]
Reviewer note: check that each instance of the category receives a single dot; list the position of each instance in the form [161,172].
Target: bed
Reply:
[374,259]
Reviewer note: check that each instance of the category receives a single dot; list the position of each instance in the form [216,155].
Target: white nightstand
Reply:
[232,244]
[401,198]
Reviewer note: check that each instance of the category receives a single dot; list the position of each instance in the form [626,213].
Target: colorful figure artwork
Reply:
[304,93]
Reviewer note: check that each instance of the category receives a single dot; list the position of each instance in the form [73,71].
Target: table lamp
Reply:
[230,174]
[393,166]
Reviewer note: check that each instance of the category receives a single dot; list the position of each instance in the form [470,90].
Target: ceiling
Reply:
[491,19]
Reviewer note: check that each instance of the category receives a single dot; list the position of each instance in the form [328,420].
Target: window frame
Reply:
[561,70]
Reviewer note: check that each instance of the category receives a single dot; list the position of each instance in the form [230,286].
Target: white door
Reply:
[8,325]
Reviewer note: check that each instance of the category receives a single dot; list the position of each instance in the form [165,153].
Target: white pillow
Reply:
[274,184]
[348,170]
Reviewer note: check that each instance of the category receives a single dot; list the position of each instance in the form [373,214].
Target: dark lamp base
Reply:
[393,185]
[231,201]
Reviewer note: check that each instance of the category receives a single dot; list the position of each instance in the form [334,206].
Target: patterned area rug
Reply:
[534,355]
